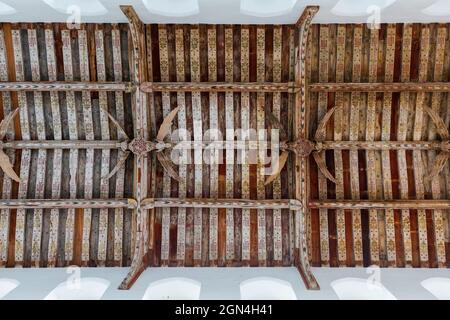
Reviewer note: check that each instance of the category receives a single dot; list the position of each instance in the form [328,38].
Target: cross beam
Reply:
[380,204]
[290,204]
[66,86]
[381,87]
[140,257]
[301,163]
[219,87]
[67,203]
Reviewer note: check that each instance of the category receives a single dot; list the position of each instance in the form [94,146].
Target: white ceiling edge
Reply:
[223,12]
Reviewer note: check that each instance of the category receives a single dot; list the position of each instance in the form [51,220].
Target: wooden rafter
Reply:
[382,145]
[380,204]
[66,86]
[301,132]
[219,87]
[66,203]
[63,144]
[290,204]
[381,87]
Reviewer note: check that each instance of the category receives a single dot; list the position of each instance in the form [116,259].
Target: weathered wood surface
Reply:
[380,204]
[212,86]
[54,86]
[389,75]
[62,144]
[139,230]
[267,204]
[224,77]
[196,54]
[66,203]
[51,157]
[301,127]
[381,87]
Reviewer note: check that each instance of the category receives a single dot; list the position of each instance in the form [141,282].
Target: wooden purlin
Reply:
[66,203]
[300,123]
[387,86]
[213,86]
[291,204]
[380,204]
[325,145]
[63,144]
[55,86]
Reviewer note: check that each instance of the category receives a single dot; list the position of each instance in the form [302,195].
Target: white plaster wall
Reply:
[223,283]
[226,11]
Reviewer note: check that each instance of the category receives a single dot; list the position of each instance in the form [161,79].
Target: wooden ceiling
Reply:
[361,98]
[396,53]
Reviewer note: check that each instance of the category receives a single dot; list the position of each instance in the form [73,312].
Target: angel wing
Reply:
[281,163]
[320,132]
[323,166]
[167,165]
[439,164]
[6,121]
[120,163]
[164,129]
[7,167]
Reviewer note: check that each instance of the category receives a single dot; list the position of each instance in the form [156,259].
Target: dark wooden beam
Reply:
[380,145]
[139,75]
[381,87]
[380,204]
[66,86]
[290,204]
[64,144]
[219,87]
[66,203]
[301,256]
